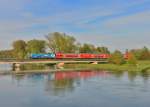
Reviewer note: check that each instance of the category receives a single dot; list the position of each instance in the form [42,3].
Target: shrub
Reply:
[117,58]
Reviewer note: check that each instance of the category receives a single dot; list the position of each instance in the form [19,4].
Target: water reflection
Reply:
[5,67]
[132,75]
[59,87]
[72,88]
[59,82]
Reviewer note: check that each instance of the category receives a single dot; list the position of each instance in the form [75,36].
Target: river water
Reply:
[76,89]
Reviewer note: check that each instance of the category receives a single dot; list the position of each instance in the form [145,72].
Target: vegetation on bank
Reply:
[140,66]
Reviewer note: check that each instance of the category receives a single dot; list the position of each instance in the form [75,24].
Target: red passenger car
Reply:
[59,55]
[86,55]
[103,56]
[67,55]
[81,56]
[70,55]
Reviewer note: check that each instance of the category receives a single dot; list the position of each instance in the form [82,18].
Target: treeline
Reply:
[141,54]
[55,42]
[118,58]
[7,54]
[60,42]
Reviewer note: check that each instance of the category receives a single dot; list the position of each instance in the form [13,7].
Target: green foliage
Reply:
[142,65]
[131,59]
[19,49]
[58,42]
[36,46]
[145,54]
[87,48]
[6,54]
[117,58]
[137,53]
[141,54]
[102,50]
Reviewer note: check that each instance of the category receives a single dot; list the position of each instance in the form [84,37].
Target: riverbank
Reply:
[142,65]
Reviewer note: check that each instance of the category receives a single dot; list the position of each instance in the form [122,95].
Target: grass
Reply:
[112,67]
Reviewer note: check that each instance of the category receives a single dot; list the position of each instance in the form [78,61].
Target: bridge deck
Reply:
[51,61]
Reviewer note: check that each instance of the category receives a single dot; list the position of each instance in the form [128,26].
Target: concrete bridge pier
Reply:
[60,65]
[16,67]
[94,62]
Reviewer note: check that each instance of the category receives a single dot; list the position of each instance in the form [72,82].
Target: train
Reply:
[71,56]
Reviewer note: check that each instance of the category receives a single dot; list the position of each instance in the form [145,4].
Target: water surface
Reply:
[75,89]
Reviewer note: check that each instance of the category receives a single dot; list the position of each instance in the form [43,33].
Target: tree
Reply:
[137,53]
[145,54]
[19,49]
[58,42]
[117,58]
[87,48]
[6,54]
[36,46]
[131,59]
[103,50]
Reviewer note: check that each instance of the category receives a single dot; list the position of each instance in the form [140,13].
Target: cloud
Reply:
[111,23]
[135,20]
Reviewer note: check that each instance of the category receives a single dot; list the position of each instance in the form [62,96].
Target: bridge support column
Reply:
[60,65]
[94,62]
[16,67]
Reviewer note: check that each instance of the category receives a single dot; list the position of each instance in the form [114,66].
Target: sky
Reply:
[117,24]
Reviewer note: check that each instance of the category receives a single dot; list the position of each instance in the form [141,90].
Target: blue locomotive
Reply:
[42,56]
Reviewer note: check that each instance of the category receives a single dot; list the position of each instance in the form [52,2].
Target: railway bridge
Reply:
[59,62]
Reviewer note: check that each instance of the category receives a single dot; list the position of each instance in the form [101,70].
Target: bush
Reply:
[131,59]
[145,54]
[117,58]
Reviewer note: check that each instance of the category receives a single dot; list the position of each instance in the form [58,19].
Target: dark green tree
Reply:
[87,48]
[6,54]
[102,50]
[137,53]
[19,49]
[145,54]
[36,46]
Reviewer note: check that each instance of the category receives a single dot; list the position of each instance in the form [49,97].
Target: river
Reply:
[75,89]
